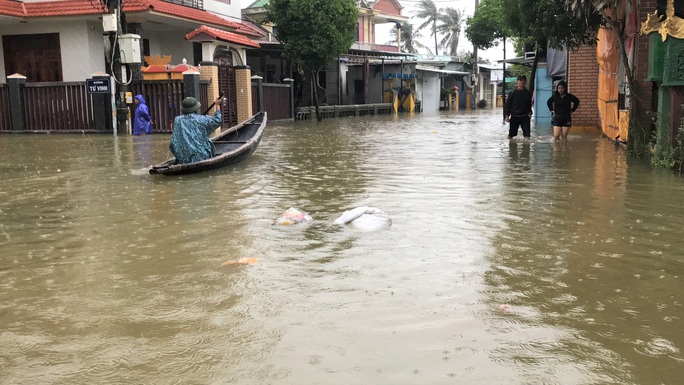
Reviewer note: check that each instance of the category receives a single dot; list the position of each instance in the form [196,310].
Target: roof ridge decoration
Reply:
[672,25]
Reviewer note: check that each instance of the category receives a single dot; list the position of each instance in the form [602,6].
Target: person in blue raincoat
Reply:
[142,123]
[190,138]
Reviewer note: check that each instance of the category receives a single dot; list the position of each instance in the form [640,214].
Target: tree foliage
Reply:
[428,10]
[314,32]
[606,11]
[451,20]
[537,23]
[486,26]
[409,38]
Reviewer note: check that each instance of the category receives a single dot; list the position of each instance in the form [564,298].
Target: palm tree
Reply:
[451,19]
[428,10]
[409,38]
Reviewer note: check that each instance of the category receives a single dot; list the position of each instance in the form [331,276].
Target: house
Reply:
[344,80]
[69,40]
[488,80]
[62,40]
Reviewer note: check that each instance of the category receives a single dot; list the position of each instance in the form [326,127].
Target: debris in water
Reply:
[242,261]
[294,216]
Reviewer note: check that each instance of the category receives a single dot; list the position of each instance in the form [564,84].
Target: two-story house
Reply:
[62,40]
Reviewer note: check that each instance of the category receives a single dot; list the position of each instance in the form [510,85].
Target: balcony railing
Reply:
[198,4]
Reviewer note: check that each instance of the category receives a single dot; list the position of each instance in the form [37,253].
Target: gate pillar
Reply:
[243,83]
[16,84]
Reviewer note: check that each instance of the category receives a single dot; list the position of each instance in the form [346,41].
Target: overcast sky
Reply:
[468,6]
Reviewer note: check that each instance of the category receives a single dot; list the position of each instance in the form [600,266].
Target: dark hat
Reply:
[190,105]
[522,77]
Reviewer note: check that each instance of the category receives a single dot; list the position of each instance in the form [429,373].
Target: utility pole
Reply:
[474,78]
[115,27]
[503,85]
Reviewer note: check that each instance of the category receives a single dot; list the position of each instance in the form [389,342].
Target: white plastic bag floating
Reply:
[365,218]
[293,216]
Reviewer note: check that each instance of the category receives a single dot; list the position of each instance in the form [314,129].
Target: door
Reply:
[38,57]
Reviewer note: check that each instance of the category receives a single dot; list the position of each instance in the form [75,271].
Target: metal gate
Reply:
[227,85]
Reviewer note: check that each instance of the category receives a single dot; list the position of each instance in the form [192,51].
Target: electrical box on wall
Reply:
[109,22]
[129,49]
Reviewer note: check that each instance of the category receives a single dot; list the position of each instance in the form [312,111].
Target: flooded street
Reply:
[506,262]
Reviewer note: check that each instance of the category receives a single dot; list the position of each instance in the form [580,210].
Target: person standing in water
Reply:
[142,122]
[562,104]
[518,109]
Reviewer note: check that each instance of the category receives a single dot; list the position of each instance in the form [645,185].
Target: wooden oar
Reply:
[214,103]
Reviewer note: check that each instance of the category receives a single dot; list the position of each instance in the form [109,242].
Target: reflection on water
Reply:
[521,262]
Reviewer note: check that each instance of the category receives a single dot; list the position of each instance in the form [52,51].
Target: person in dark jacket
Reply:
[518,109]
[142,123]
[562,104]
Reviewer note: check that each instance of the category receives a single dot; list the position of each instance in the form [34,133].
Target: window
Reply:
[38,57]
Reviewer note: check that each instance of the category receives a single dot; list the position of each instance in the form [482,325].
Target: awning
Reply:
[518,60]
[420,67]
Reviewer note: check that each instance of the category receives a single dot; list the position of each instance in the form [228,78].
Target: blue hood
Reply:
[140,98]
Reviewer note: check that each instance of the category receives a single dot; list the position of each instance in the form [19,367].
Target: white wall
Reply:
[169,43]
[77,40]
[430,91]
[96,47]
[232,11]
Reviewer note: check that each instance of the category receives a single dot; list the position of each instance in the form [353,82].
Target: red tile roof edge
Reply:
[88,7]
[223,35]
[248,28]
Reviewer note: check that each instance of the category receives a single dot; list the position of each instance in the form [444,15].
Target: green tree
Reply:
[451,19]
[314,32]
[409,38]
[486,27]
[467,57]
[428,10]
[538,23]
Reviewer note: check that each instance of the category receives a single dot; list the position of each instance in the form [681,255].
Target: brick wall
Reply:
[583,82]
[243,81]
[210,72]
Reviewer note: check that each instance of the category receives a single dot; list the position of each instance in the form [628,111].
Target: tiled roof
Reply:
[218,34]
[177,10]
[249,28]
[12,8]
[50,8]
[89,7]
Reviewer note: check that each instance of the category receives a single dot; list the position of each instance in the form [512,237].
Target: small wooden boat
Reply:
[230,146]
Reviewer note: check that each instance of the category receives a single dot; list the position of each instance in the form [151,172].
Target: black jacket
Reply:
[519,103]
[562,105]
